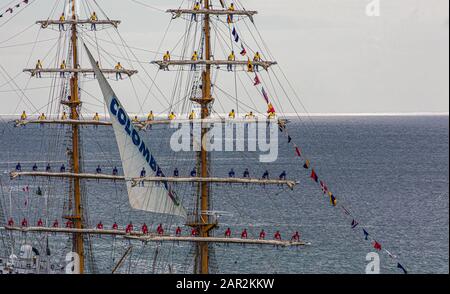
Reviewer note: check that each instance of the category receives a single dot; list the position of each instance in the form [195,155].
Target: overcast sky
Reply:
[339,59]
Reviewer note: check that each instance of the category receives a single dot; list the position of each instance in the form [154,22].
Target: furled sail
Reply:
[137,157]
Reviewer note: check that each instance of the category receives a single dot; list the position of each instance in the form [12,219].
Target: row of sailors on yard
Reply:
[93,18]
[159,230]
[197,7]
[251,66]
[143,173]
[151,116]
[118,68]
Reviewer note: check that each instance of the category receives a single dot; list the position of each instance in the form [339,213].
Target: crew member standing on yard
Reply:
[257,59]
[194,58]
[244,234]
[230,16]
[196,8]
[23,117]
[100,226]
[18,167]
[231,57]
[144,229]
[228,233]
[118,69]
[178,232]
[38,68]
[55,223]
[10,222]
[166,58]
[277,236]
[160,230]
[40,223]
[62,18]
[246,173]
[232,174]
[96,119]
[129,228]
[115,226]
[62,67]
[24,223]
[232,114]
[94,19]
[262,235]
[296,237]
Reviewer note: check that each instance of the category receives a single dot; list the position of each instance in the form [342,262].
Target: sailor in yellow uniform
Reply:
[172,116]
[192,115]
[64,116]
[136,119]
[97,119]
[94,18]
[118,68]
[166,58]
[232,114]
[23,116]
[194,58]
[231,57]
[62,67]
[230,16]
[249,65]
[42,117]
[151,116]
[257,58]
[196,8]
[250,115]
[61,26]
[38,67]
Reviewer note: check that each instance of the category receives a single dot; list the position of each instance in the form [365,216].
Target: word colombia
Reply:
[229,136]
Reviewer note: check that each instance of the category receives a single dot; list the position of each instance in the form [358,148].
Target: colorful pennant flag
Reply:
[257,81]
[333,199]
[243,52]
[377,245]
[402,268]
[324,187]
[354,224]
[345,210]
[366,234]
[306,165]
[314,176]
[265,95]
[235,35]
[289,139]
[298,151]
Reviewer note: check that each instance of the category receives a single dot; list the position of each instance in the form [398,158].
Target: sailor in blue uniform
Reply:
[63,168]
[48,168]
[18,167]
[35,168]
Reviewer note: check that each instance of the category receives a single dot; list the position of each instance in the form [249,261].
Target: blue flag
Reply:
[366,234]
[235,35]
[354,224]
[402,268]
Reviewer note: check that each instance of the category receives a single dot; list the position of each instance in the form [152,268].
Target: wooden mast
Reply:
[77,213]
[205,227]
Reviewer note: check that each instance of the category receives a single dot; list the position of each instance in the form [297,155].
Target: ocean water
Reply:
[391,173]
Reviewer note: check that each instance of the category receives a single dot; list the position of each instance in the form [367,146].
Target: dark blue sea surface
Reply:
[391,173]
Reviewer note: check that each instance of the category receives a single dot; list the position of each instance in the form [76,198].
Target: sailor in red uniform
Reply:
[115,226]
[262,235]
[69,224]
[144,229]
[129,228]
[178,232]
[100,226]
[194,232]
[228,233]
[277,236]
[296,237]
[40,223]
[244,234]
[24,223]
[10,222]
[160,230]
[55,223]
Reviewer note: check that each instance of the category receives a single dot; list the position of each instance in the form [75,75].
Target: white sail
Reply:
[136,156]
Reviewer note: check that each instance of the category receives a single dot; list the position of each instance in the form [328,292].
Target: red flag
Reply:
[257,81]
[243,52]
[377,245]
[298,151]
[324,187]
[314,176]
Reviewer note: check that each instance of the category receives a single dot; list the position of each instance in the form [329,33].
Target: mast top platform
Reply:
[45,23]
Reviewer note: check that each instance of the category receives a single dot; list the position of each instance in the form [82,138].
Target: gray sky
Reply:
[338,59]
